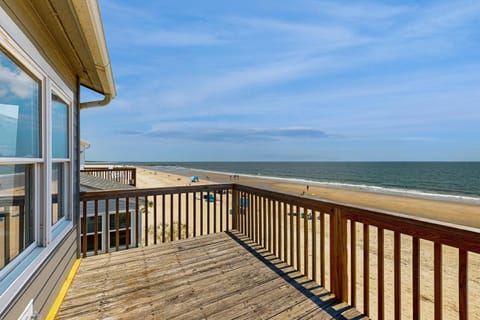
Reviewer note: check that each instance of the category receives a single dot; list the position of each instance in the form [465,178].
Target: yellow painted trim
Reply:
[61,295]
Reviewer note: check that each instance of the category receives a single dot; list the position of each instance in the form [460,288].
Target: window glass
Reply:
[59,128]
[58,192]
[19,111]
[16,211]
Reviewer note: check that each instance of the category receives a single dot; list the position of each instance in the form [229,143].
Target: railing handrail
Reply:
[85,169]
[428,229]
[454,235]
[112,194]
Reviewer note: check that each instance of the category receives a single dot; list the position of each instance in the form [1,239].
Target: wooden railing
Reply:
[124,175]
[332,244]
[378,262]
[150,216]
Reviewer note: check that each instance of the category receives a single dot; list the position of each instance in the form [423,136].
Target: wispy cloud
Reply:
[230,134]
[14,80]
[270,72]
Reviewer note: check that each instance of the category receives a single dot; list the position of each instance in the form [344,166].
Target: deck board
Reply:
[219,276]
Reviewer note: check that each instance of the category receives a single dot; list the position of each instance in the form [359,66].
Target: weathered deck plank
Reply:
[210,277]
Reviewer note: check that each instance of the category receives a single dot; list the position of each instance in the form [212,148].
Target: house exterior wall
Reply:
[38,272]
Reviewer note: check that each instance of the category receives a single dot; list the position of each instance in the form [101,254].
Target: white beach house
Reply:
[48,51]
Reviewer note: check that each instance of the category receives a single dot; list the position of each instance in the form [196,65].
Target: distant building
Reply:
[48,51]
[107,223]
[84,145]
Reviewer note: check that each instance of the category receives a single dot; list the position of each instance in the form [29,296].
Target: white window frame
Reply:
[27,56]
[67,163]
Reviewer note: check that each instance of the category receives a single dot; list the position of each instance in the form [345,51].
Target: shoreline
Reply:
[410,193]
[454,212]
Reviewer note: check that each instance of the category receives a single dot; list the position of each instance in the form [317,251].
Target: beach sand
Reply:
[452,212]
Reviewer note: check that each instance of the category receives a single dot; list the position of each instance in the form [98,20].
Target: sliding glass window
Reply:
[60,158]
[20,150]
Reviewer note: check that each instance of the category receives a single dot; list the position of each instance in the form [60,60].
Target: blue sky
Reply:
[290,80]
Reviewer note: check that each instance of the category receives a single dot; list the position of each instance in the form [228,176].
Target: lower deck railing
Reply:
[124,175]
[381,263]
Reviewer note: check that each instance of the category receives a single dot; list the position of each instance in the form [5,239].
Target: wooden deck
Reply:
[219,276]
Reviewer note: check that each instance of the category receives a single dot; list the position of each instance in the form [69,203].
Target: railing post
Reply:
[338,255]
[235,209]
[134,177]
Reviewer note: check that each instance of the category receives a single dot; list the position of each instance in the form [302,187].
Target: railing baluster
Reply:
[107,226]
[146,222]
[201,213]
[187,214]
[438,280]
[397,275]
[137,222]
[285,231]
[274,227]
[154,218]
[221,211]
[353,264]
[264,222]
[245,218]
[322,249]
[314,247]
[366,269]
[228,209]
[416,278]
[171,217]
[85,231]
[463,284]
[179,215]
[95,228]
[381,274]
[305,242]
[127,221]
[252,217]
[297,240]
[292,236]
[163,218]
[269,225]
[117,224]
[195,214]
[214,212]
[208,213]
[256,214]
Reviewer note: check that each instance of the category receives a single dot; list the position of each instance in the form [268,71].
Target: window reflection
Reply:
[59,128]
[58,194]
[19,111]
[16,214]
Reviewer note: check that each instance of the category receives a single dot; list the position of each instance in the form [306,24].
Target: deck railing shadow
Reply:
[365,258]
[310,289]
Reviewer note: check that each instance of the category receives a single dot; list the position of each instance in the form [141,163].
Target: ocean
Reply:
[457,181]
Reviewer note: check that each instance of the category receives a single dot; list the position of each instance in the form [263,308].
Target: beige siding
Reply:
[45,284]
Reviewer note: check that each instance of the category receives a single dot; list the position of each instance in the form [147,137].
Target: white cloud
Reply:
[19,83]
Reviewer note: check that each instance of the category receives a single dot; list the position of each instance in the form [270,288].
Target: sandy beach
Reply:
[452,212]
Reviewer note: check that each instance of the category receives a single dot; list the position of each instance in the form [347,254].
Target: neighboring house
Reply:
[84,145]
[107,225]
[48,51]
